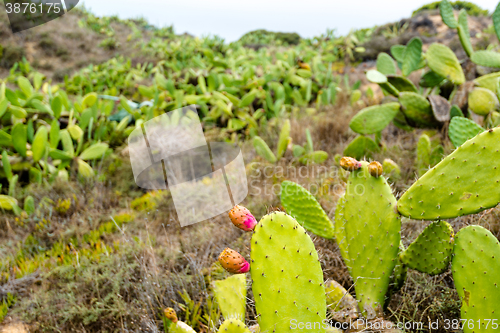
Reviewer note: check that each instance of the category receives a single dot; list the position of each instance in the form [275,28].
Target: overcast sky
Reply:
[231,19]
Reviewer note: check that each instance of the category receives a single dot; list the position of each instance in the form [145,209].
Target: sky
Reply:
[231,19]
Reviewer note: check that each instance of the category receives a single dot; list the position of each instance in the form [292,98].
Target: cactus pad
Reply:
[374,119]
[340,235]
[399,274]
[465,182]
[440,108]
[263,150]
[444,62]
[417,109]
[431,252]
[401,83]
[489,81]
[302,206]
[372,229]
[233,326]
[462,129]
[181,327]
[360,147]
[343,306]
[486,58]
[286,274]
[231,295]
[476,269]
[423,154]
[446,10]
[385,64]
[482,101]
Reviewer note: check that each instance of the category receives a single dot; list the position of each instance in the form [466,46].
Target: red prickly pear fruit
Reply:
[242,218]
[170,314]
[233,262]
[350,164]
[375,169]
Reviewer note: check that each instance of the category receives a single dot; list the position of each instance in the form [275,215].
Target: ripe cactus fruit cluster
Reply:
[287,280]
[242,218]
[372,230]
[431,252]
[231,296]
[300,204]
[476,268]
[233,262]
[233,326]
[451,188]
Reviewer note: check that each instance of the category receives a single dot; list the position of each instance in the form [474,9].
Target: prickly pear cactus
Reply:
[443,61]
[340,235]
[417,109]
[399,274]
[302,205]
[482,101]
[465,182]
[391,169]
[361,146]
[476,269]
[231,295]
[385,64]
[372,230]
[286,274]
[263,150]
[401,83]
[486,58]
[423,154]
[374,119]
[462,129]
[431,252]
[489,81]
[343,306]
[233,326]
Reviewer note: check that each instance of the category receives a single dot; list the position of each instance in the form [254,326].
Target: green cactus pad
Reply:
[462,129]
[263,150]
[486,58]
[233,326]
[391,169]
[385,64]
[431,252]
[340,235]
[431,80]
[286,274]
[482,101]
[465,182]
[446,10]
[283,139]
[302,206]
[372,229]
[376,77]
[231,295]
[343,306]
[361,147]
[456,112]
[489,81]
[423,154]
[444,62]
[417,109]
[374,119]
[412,58]
[496,20]
[401,83]
[463,32]
[181,327]
[476,269]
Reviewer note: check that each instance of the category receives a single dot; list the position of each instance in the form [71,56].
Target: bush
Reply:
[269,37]
[471,8]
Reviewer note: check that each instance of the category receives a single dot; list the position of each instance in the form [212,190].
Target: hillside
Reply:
[85,249]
